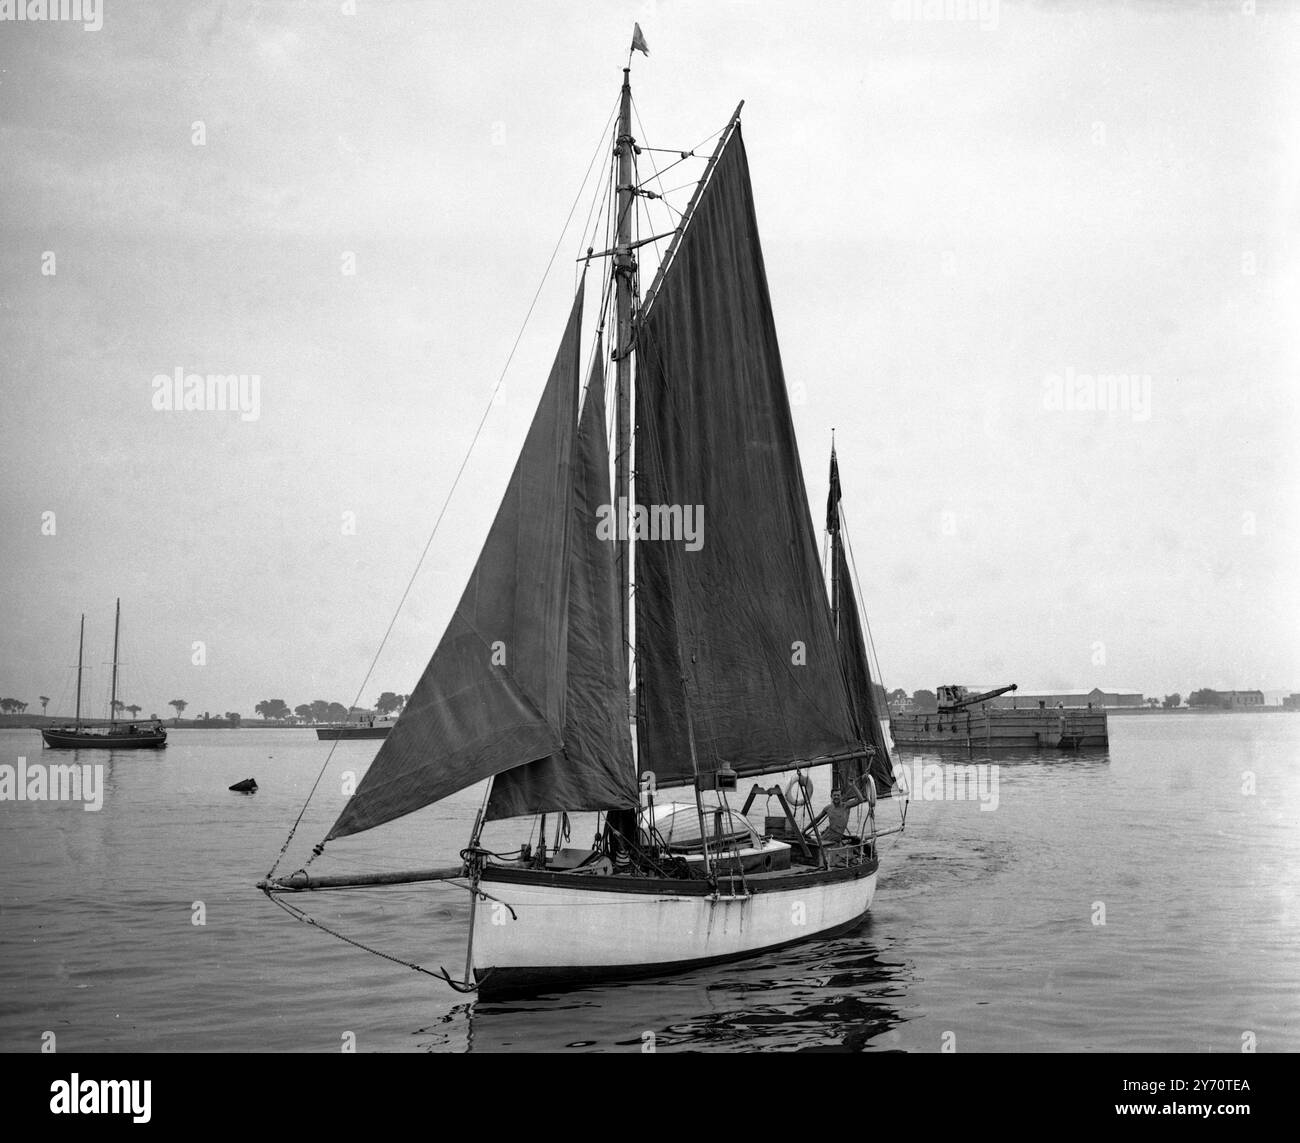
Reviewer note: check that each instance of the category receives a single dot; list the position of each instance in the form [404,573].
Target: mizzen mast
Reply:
[81,650]
[112,702]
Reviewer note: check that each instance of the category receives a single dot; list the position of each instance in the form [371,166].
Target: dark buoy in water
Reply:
[247,786]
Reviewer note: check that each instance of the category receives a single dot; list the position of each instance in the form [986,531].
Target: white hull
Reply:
[565,932]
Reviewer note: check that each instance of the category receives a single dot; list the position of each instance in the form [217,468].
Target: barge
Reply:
[972,721]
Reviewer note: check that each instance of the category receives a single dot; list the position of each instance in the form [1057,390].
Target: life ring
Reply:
[871,792]
[800,785]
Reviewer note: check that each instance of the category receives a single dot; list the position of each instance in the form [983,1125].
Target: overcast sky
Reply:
[963,220]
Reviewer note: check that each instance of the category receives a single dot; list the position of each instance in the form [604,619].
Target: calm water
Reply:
[983,925]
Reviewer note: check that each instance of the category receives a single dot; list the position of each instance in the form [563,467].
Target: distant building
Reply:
[1096,697]
[1235,700]
[1291,702]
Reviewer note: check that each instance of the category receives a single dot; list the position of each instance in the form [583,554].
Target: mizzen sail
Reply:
[493,695]
[857,673]
[743,618]
[594,770]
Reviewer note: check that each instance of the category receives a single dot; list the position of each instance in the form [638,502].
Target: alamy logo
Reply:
[77,1096]
[930,782]
[652,522]
[55,783]
[88,13]
[213,392]
[1101,392]
[982,12]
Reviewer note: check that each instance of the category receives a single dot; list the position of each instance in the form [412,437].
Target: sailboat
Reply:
[117,735]
[744,667]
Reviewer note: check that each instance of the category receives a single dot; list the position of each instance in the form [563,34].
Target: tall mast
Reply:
[835,549]
[112,703]
[625,283]
[81,645]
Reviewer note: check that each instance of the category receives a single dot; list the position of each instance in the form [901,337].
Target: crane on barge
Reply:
[954,698]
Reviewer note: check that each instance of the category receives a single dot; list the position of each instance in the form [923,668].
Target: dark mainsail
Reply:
[595,769]
[493,695]
[744,618]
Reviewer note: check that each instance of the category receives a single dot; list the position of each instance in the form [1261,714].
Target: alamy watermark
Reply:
[53,783]
[931,782]
[1100,392]
[683,523]
[212,392]
[88,13]
[981,12]
[77,1096]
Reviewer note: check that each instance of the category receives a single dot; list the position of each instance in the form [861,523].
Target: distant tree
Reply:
[402,700]
[1152,702]
[882,696]
[897,697]
[925,700]
[1172,701]
[320,710]
[118,705]
[133,710]
[8,705]
[45,701]
[336,712]
[22,706]
[387,702]
[304,712]
[180,705]
[272,708]
[232,717]
[1206,696]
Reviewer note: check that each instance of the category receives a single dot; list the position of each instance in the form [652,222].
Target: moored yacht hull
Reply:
[570,929]
[326,733]
[85,740]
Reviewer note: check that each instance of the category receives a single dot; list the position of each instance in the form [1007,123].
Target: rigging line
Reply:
[659,172]
[866,620]
[848,545]
[658,175]
[680,186]
[300,915]
[447,500]
[596,341]
[606,291]
[599,197]
[691,154]
[604,194]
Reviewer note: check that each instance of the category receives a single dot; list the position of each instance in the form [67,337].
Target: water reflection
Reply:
[836,995]
[1087,759]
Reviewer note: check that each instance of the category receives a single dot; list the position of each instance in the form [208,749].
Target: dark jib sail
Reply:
[493,695]
[744,618]
[595,769]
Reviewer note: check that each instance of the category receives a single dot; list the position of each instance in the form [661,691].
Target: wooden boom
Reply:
[296,882]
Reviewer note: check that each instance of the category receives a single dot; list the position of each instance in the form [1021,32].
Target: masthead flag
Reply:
[638,40]
[833,499]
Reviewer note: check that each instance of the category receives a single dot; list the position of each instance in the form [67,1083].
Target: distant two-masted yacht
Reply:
[117,735]
[744,667]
